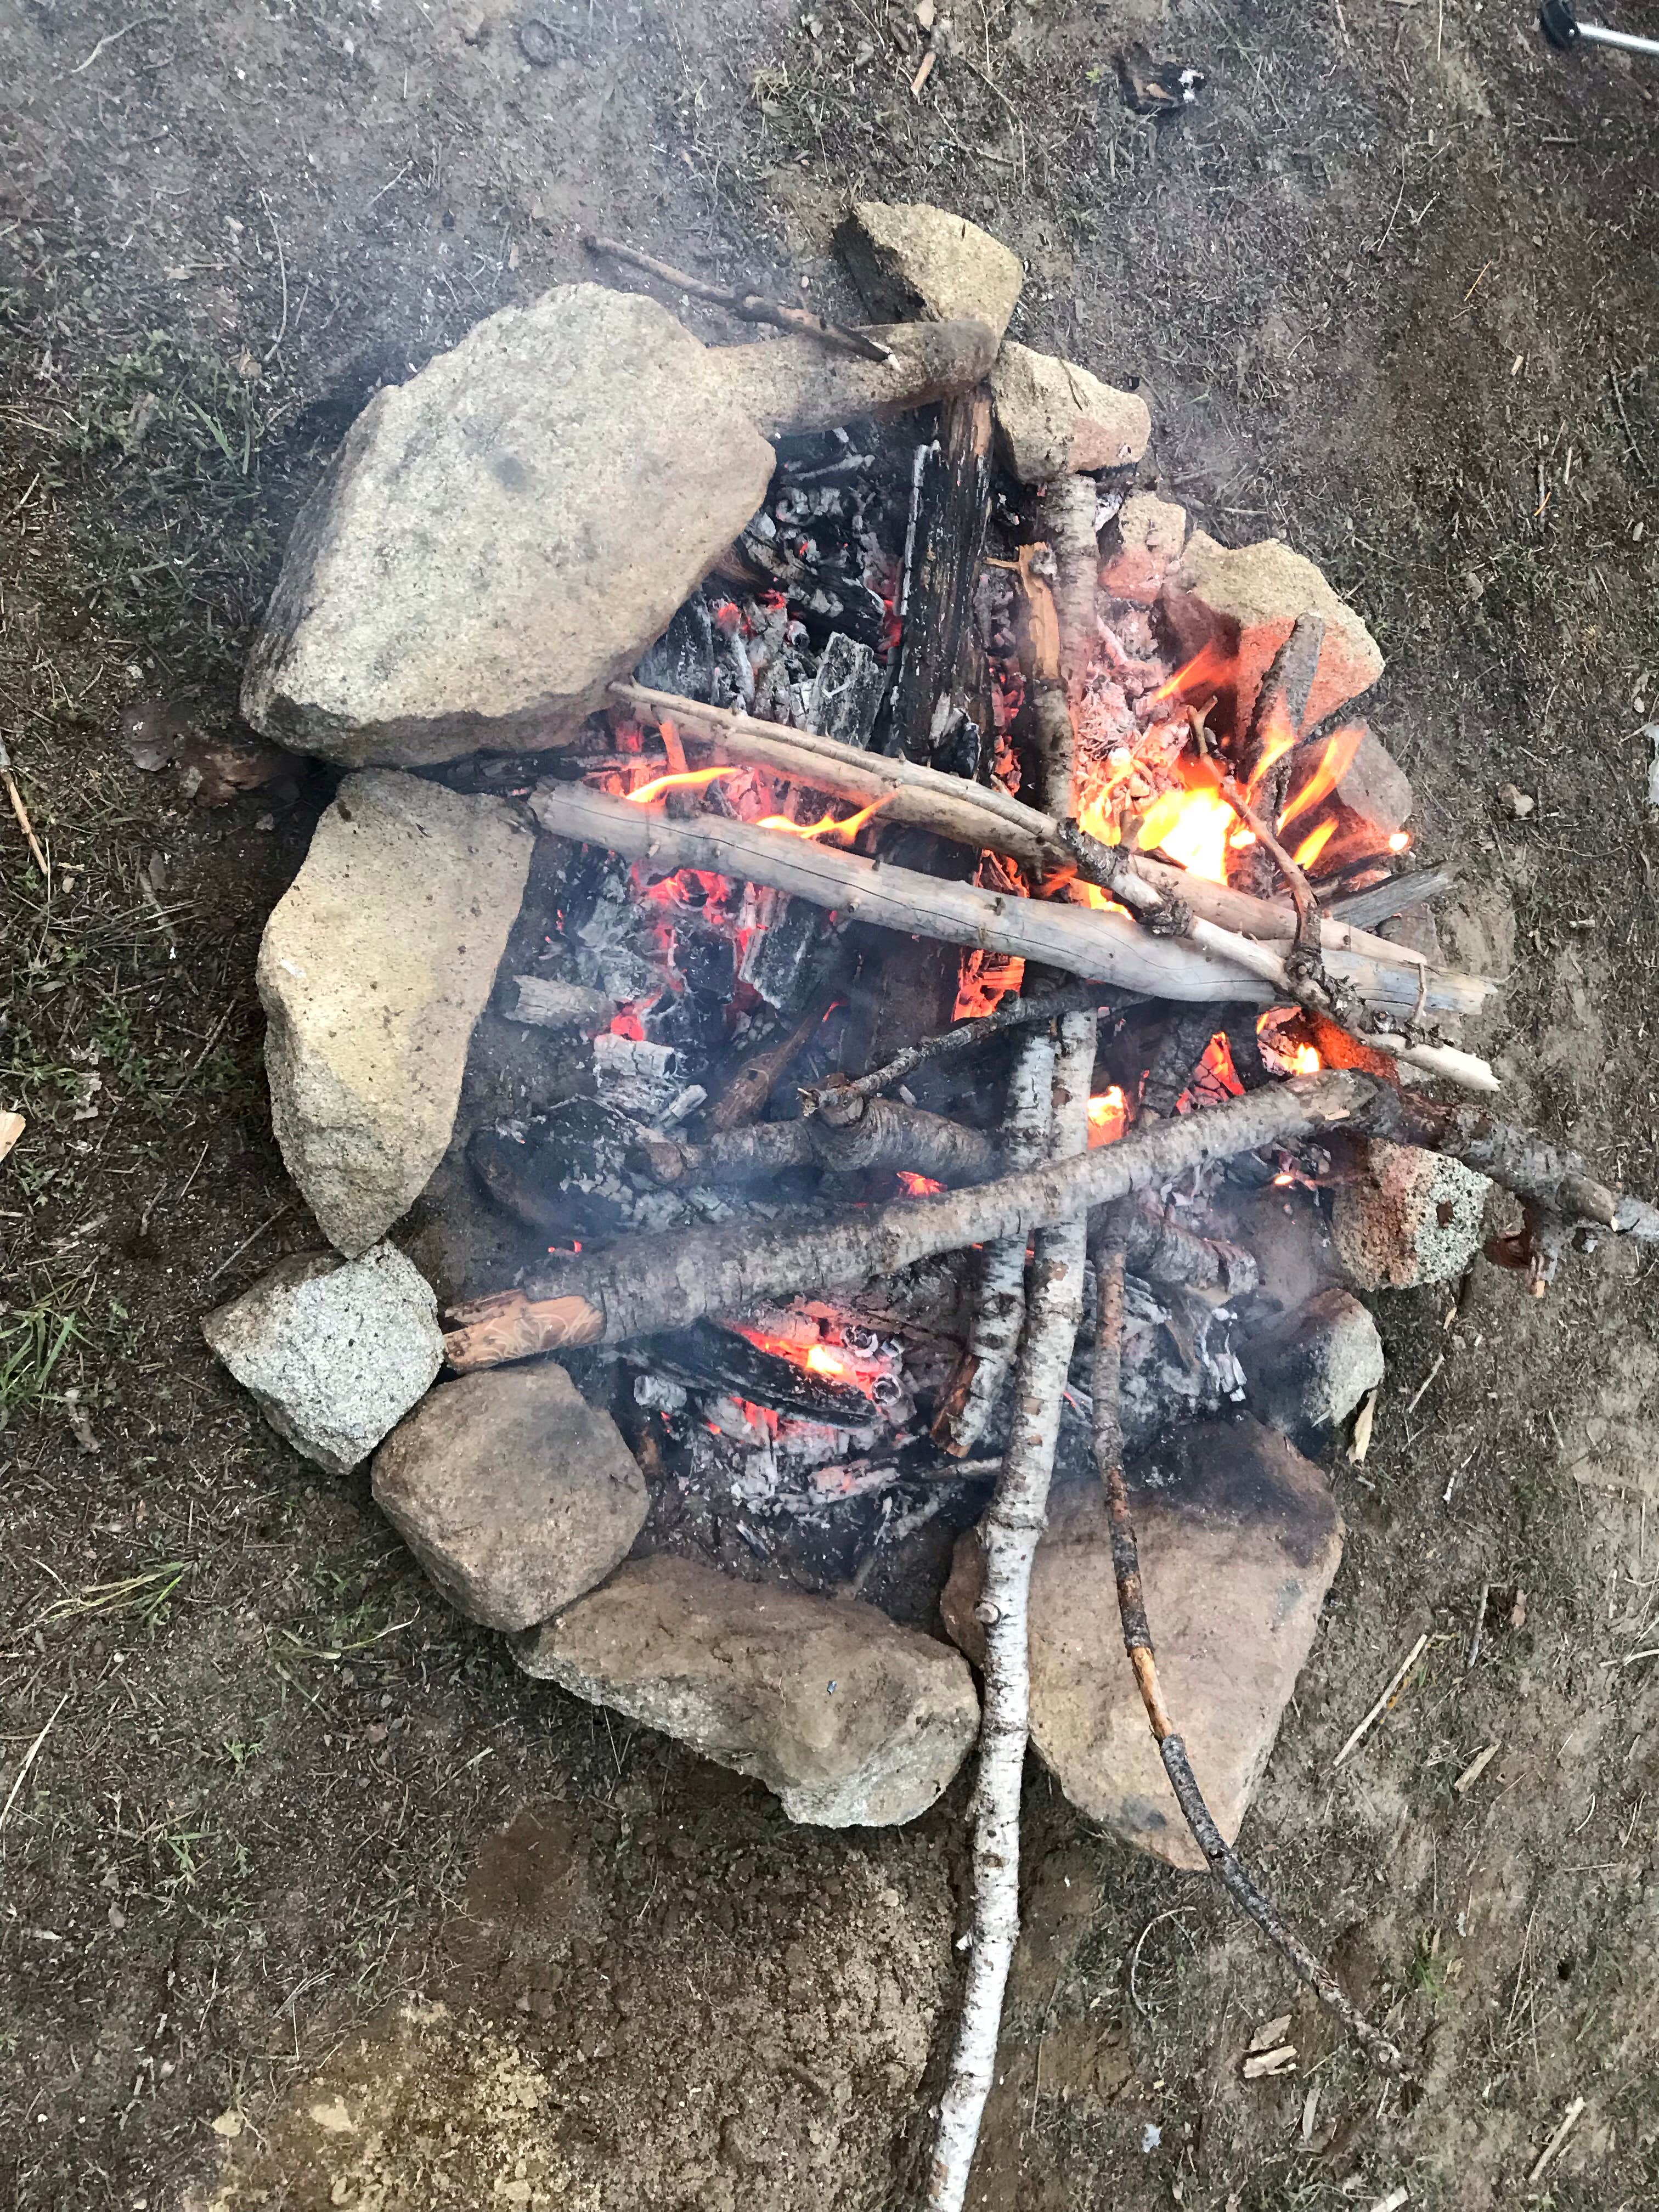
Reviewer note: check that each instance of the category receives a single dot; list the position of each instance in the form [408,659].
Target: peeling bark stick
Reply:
[1223,1861]
[1010,1531]
[748,307]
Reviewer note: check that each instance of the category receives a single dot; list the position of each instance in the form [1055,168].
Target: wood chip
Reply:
[1568,2118]
[923,73]
[1265,2063]
[1362,1429]
[12,1127]
[1476,1767]
[1270,2033]
[1394,2199]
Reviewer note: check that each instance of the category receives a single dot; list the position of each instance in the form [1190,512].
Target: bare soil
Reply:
[308,1899]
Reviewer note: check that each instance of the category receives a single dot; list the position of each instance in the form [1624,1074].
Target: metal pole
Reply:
[1597,37]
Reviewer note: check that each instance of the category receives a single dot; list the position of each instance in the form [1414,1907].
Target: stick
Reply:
[749,306]
[1101,946]
[965,1036]
[646,1283]
[1137,1643]
[22,813]
[1376,971]
[750,1087]
[947,536]
[881,1135]
[1397,896]
[1011,1529]
[997,1317]
[1382,1705]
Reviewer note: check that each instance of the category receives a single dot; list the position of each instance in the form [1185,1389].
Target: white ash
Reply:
[643,1081]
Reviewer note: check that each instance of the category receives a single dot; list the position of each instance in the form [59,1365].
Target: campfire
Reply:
[897,957]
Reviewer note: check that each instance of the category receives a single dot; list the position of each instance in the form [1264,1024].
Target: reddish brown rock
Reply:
[1245,600]
[1240,1539]
[1144,544]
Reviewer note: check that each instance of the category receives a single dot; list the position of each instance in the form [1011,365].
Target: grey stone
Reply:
[798,383]
[1412,1217]
[910,260]
[374,966]
[335,1351]
[1310,1370]
[512,1492]
[502,536]
[851,1720]
[1147,540]
[1055,419]
[1239,1541]
[1244,601]
[1375,787]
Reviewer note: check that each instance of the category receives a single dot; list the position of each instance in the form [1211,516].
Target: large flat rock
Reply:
[502,536]
[1239,1539]
[513,1493]
[851,1720]
[335,1351]
[374,966]
[1055,419]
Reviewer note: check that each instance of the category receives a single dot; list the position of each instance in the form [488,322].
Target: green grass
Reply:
[33,1343]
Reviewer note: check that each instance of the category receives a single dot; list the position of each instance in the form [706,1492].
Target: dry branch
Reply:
[1102,946]
[882,1135]
[1137,1643]
[1010,1532]
[646,1283]
[1378,973]
[966,1036]
[748,307]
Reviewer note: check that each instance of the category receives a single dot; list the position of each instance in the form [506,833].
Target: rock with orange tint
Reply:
[1240,1540]
[1244,601]
[1376,788]
[1146,545]
[1055,419]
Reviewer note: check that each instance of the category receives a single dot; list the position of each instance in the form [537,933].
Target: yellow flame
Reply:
[825,826]
[1193,827]
[1313,844]
[689,779]
[1334,763]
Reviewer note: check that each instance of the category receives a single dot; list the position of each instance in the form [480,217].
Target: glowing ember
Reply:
[825,826]
[1401,841]
[1334,763]
[918,1186]
[1218,1066]
[690,778]
[823,1361]
[1305,1060]
[1109,1117]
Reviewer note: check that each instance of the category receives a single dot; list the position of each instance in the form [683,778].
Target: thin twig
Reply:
[749,306]
[1383,1702]
[22,813]
[29,1758]
[1224,1861]
[964,1036]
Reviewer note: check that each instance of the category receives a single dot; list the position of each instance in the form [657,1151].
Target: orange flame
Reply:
[1305,1060]
[1337,760]
[689,779]
[918,1186]
[1313,844]
[1193,827]
[825,826]
[1109,1117]
[1208,667]
[1277,741]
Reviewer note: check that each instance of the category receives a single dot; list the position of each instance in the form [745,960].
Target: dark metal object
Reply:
[1558,22]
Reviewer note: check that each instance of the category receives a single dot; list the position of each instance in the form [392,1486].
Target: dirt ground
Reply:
[306,1897]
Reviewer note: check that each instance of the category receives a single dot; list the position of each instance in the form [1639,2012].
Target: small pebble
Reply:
[1519,803]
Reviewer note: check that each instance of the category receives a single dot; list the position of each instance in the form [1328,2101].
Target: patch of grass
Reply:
[33,1343]
[145,1597]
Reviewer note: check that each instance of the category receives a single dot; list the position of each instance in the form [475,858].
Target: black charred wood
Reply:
[707,1357]
[949,508]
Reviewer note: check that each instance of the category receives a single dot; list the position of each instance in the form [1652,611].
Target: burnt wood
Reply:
[951,505]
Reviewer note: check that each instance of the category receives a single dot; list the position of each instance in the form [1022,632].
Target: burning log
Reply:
[1377,972]
[1103,946]
[951,504]
[880,1135]
[748,1089]
[643,1284]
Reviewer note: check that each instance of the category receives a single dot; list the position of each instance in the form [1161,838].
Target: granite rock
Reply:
[1308,1371]
[335,1351]
[911,261]
[1055,419]
[1146,545]
[1412,1217]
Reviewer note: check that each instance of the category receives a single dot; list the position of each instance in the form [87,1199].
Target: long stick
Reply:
[1377,972]
[749,306]
[1137,1643]
[967,1036]
[1101,946]
[1011,1529]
